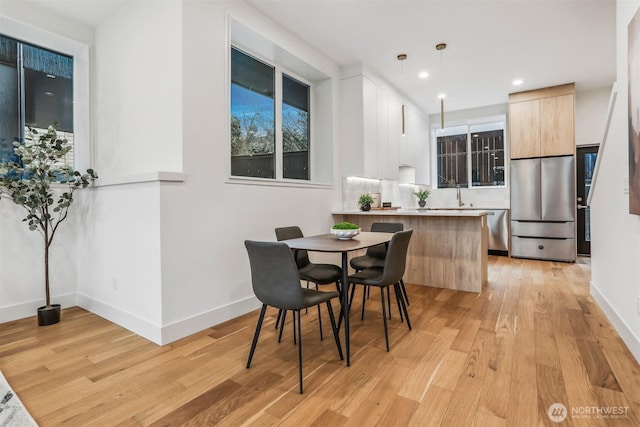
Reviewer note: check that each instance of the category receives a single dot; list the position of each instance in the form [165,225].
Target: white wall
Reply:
[590,113]
[191,268]
[206,219]
[615,245]
[138,95]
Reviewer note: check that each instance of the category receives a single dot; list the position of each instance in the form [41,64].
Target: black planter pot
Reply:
[365,207]
[48,315]
[422,203]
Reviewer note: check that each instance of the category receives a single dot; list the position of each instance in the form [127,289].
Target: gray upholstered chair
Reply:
[374,257]
[389,275]
[276,283]
[319,274]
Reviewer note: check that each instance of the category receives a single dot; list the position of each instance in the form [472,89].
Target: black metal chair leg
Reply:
[294,328]
[278,319]
[404,308]
[404,291]
[334,329]
[296,313]
[364,299]
[389,301]
[320,323]
[353,291]
[256,334]
[384,318]
[398,298]
[284,317]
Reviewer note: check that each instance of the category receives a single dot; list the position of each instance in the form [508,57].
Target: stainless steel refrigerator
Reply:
[543,208]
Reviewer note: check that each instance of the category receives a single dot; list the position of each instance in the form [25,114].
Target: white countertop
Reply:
[419,212]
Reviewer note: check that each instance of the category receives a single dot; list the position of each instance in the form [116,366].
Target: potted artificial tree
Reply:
[27,181]
[422,196]
[365,201]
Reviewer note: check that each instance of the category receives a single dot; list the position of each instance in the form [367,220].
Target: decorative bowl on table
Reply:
[345,234]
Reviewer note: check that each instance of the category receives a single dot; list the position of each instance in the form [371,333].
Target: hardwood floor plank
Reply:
[533,337]
[597,366]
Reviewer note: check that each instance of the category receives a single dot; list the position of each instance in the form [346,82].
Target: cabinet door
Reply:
[370,128]
[524,129]
[556,125]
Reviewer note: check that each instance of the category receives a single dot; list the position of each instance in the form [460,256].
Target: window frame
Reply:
[307,65]
[279,72]
[468,123]
[79,51]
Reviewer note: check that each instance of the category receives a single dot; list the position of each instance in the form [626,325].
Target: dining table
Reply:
[330,243]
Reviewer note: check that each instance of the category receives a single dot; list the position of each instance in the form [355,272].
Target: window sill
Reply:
[158,176]
[276,183]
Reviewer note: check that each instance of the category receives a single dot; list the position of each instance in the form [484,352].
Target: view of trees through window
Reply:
[254,121]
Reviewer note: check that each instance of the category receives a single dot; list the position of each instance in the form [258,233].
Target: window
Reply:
[36,86]
[471,154]
[270,120]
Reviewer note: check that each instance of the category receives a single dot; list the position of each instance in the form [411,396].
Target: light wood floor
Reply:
[532,338]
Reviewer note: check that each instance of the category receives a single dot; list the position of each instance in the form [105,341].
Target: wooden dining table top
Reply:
[330,243]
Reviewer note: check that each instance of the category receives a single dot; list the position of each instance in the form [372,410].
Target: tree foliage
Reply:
[27,182]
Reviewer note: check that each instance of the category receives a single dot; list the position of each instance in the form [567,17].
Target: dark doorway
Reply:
[585,165]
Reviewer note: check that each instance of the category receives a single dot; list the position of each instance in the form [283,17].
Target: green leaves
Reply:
[28,183]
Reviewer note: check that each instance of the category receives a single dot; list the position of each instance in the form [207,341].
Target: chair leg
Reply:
[334,329]
[364,299]
[353,291]
[320,323]
[384,318]
[403,305]
[284,316]
[256,334]
[296,313]
[404,291]
[278,319]
[398,297]
[294,328]
[389,301]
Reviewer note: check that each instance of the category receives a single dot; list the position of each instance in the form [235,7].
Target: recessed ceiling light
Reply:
[423,75]
[517,82]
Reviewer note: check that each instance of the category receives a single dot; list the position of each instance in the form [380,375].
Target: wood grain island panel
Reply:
[448,248]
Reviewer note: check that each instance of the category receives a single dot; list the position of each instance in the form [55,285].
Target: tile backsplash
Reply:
[401,195]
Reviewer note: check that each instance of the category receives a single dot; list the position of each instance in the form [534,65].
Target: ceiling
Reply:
[489,43]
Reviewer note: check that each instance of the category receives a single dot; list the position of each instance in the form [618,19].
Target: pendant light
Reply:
[442,95]
[402,57]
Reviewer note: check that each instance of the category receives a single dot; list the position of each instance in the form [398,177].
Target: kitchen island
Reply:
[448,248]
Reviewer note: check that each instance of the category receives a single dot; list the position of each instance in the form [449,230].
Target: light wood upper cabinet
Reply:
[556,125]
[524,129]
[541,122]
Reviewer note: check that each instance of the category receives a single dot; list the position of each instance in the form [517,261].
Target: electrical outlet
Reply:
[638,304]
[114,284]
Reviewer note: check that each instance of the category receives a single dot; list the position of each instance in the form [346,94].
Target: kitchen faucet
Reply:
[459,196]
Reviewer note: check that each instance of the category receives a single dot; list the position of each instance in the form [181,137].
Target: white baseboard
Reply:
[163,335]
[627,335]
[132,322]
[197,323]
[27,309]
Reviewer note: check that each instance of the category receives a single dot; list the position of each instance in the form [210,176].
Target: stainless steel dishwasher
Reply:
[498,221]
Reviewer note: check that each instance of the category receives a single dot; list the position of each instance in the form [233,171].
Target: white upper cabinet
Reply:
[372,131]
[365,130]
